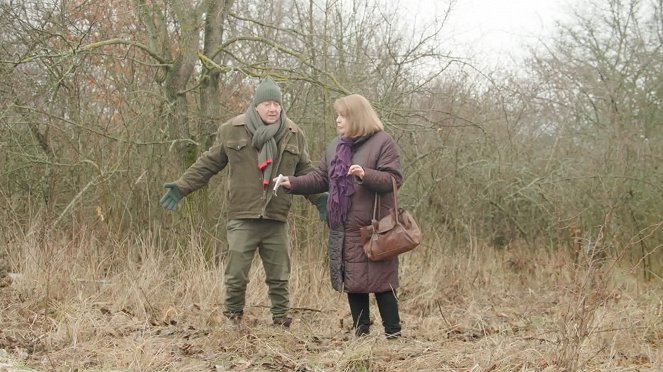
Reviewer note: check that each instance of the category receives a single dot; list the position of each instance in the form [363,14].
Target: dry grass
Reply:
[84,303]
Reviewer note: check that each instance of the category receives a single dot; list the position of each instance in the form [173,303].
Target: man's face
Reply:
[269,111]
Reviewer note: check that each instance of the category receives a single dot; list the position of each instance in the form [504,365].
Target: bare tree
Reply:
[601,104]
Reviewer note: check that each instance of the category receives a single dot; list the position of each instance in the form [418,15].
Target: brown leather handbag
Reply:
[395,233]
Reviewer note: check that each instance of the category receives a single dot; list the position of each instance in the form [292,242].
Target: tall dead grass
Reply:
[86,302]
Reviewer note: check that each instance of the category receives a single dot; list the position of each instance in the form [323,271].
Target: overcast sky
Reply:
[494,29]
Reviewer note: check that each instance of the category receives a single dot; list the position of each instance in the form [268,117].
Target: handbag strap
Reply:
[376,201]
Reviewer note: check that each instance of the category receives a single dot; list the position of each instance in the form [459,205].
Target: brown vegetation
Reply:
[132,306]
[537,188]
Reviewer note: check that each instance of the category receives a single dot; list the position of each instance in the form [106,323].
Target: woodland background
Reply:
[543,172]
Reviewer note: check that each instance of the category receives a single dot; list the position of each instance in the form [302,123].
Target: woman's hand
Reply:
[356,170]
[285,182]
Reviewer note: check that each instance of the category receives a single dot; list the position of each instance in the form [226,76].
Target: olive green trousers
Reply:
[270,239]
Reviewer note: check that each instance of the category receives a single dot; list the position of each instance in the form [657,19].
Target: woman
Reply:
[357,164]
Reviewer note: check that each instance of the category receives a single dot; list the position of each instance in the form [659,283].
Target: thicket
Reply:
[103,102]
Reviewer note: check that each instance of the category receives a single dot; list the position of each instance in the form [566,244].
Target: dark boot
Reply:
[388,306]
[361,321]
[234,317]
[282,321]
[362,330]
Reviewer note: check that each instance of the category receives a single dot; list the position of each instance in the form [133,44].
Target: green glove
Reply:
[321,204]
[172,197]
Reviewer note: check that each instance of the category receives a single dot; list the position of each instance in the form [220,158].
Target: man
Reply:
[256,146]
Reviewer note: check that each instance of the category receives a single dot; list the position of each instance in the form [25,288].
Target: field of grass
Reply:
[89,304]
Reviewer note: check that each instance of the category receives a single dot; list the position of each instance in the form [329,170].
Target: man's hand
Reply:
[171,198]
[321,204]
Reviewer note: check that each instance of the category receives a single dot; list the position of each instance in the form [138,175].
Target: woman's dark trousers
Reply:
[388,307]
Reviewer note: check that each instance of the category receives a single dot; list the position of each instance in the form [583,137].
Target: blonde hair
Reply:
[360,115]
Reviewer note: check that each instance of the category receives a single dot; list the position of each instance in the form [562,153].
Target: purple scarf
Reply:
[340,184]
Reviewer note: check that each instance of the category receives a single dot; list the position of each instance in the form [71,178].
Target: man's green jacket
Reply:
[246,195]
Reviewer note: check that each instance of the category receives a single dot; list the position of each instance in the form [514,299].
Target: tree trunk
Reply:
[209,93]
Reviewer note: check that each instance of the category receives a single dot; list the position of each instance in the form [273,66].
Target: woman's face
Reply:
[342,125]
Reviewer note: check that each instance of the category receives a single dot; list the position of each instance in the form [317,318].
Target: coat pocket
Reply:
[237,152]
[289,159]
[237,145]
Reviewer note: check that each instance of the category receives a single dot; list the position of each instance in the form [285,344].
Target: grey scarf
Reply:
[265,138]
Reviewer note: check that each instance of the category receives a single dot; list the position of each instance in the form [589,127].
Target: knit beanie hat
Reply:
[267,90]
